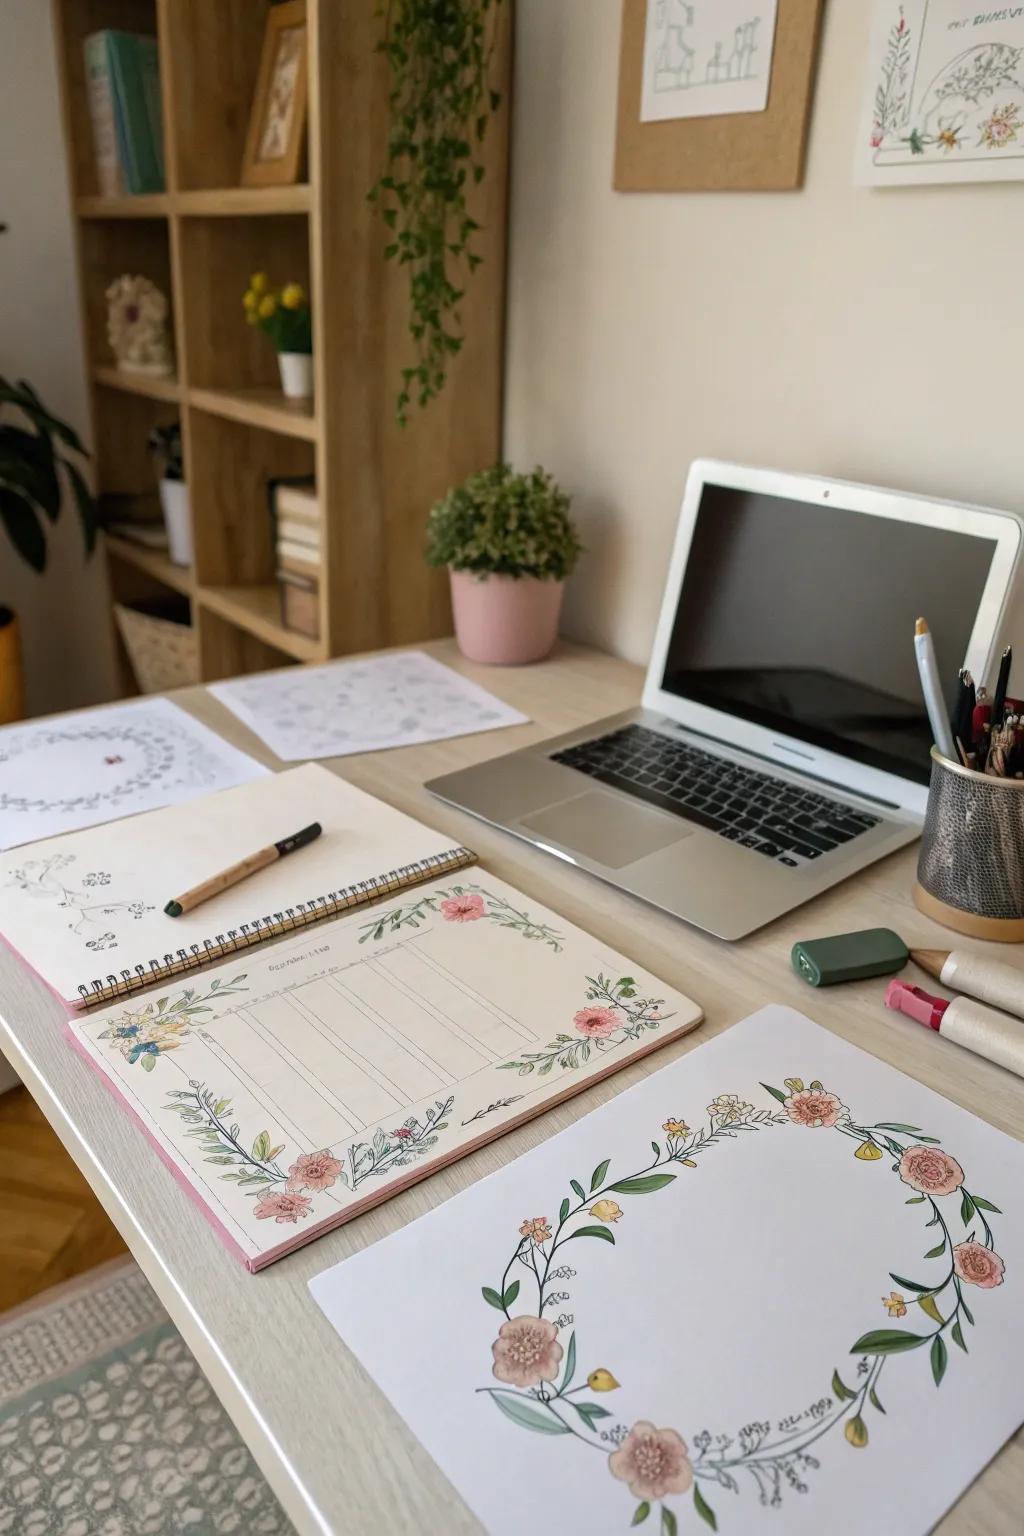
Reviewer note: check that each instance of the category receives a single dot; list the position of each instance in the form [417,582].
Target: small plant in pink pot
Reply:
[509,544]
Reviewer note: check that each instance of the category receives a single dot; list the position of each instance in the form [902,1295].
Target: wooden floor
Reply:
[51,1225]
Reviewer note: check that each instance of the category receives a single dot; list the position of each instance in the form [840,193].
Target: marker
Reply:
[982,1030]
[242,870]
[990,981]
[927,667]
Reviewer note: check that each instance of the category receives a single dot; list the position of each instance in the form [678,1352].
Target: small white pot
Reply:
[177,520]
[296,374]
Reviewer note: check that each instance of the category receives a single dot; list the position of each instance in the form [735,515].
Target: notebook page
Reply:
[80,907]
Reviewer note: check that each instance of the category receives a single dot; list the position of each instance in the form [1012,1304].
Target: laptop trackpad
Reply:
[607,828]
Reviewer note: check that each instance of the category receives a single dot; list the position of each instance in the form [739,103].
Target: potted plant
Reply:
[30,496]
[509,544]
[284,315]
[165,446]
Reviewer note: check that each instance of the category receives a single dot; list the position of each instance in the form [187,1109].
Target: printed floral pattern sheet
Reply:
[945,94]
[294,1087]
[98,765]
[362,706]
[745,1292]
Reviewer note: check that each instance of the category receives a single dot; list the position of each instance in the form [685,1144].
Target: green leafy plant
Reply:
[441,99]
[506,524]
[30,487]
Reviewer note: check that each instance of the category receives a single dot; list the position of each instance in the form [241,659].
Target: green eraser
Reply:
[849,956]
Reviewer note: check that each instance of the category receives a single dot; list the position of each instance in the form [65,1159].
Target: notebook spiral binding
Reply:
[273,926]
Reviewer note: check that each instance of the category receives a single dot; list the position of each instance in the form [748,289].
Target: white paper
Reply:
[945,94]
[362,706]
[372,1047]
[703,58]
[80,907]
[727,1301]
[101,764]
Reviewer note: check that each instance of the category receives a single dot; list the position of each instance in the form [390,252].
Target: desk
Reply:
[305,1408]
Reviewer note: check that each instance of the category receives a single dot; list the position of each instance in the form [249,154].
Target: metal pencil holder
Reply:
[970,874]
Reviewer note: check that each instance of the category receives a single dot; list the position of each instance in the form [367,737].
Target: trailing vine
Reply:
[440,54]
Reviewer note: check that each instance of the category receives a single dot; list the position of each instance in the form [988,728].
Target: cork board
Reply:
[741,152]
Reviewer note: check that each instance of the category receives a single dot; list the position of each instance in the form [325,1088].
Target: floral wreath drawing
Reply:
[45,880]
[543,1384]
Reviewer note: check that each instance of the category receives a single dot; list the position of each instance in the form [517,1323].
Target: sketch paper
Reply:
[295,1087]
[699,1299]
[945,94]
[362,706]
[704,58]
[101,764]
[80,907]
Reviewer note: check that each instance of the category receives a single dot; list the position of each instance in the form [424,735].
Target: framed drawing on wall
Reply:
[275,145]
[715,95]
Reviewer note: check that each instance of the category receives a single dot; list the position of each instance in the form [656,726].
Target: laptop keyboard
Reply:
[783,821]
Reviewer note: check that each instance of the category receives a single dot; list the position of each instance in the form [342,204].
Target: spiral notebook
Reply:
[85,910]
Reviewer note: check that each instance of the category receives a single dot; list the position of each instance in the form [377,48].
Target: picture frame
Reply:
[276,142]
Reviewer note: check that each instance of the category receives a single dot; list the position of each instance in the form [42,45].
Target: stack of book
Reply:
[122,72]
[299,550]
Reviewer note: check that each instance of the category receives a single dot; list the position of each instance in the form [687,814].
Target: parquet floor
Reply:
[51,1225]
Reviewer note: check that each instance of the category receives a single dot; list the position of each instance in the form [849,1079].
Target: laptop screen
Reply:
[800,617]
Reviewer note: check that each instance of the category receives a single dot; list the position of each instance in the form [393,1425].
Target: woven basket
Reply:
[163,651]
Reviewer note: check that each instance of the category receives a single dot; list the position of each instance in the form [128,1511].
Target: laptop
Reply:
[783,741]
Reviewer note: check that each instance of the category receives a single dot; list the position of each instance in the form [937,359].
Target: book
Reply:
[293,1089]
[86,910]
[288,549]
[109,175]
[300,604]
[122,73]
[293,531]
[297,499]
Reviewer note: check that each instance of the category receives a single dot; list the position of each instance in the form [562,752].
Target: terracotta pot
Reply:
[12,680]
[505,621]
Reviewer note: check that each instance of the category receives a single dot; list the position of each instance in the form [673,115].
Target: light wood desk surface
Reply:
[339,1458]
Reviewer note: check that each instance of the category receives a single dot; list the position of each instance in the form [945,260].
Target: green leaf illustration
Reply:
[147,1061]
[887,1341]
[956,1334]
[646,1184]
[966,1208]
[261,1146]
[601,1232]
[642,1511]
[511,1294]
[563,1210]
[873,1399]
[929,1305]
[669,1524]
[985,1205]
[570,1362]
[528,1417]
[703,1508]
[908,1285]
[965,1309]
[577,1189]
[933,1253]
[776,1093]
[840,1388]
[491,1297]
[915,1200]
[939,1356]
[598,1175]
[892,1125]
[588,1412]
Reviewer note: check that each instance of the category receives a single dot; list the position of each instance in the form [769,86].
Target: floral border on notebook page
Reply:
[551,1383]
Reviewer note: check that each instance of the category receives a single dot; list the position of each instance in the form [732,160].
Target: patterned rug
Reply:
[109,1428]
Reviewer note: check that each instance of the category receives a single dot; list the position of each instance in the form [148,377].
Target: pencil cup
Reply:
[970,873]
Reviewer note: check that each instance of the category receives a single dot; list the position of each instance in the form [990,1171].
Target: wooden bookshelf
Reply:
[198,241]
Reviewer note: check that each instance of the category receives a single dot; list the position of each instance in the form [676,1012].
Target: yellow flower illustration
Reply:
[895,1304]
[536,1228]
[602,1381]
[606,1210]
[676,1128]
[795,1084]
[856,1432]
[250,299]
[948,138]
[729,1108]
[292,296]
[268,304]
[258,282]
[868,1152]
[688,1162]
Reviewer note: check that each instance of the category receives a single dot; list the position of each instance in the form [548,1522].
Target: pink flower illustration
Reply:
[930,1171]
[537,1228]
[313,1170]
[282,1206]
[978,1265]
[814,1107]
[527,1352]
[404,1133]
[876,138]
[652,1461]
[596,1023]
[463,909]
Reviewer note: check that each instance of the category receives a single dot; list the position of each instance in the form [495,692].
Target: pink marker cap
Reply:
[915,1003]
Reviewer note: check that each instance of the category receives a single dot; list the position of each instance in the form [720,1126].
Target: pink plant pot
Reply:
[505,621]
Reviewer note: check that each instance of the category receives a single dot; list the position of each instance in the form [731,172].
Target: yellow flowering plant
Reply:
[283,314]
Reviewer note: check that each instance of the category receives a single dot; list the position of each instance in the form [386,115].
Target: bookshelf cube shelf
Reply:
[199,240]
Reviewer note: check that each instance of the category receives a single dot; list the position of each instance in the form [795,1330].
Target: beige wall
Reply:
[871,335]
[69,655]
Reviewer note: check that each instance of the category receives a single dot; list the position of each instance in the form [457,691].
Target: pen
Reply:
[1002,683]
[242,870]
[927,667]
[990,981]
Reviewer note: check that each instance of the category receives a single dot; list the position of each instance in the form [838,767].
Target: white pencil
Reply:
[932,690]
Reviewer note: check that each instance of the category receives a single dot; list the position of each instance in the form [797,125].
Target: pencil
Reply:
[242,870]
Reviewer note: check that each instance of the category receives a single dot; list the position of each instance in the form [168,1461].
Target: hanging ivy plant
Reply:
[440,54]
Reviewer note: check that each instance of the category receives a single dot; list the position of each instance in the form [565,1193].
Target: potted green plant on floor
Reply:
[30,497]
[509,544]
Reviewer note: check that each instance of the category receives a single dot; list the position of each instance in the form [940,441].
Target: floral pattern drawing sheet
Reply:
[945,94]
[294,1087]
[101,764]
[362,706]
[771,1288]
